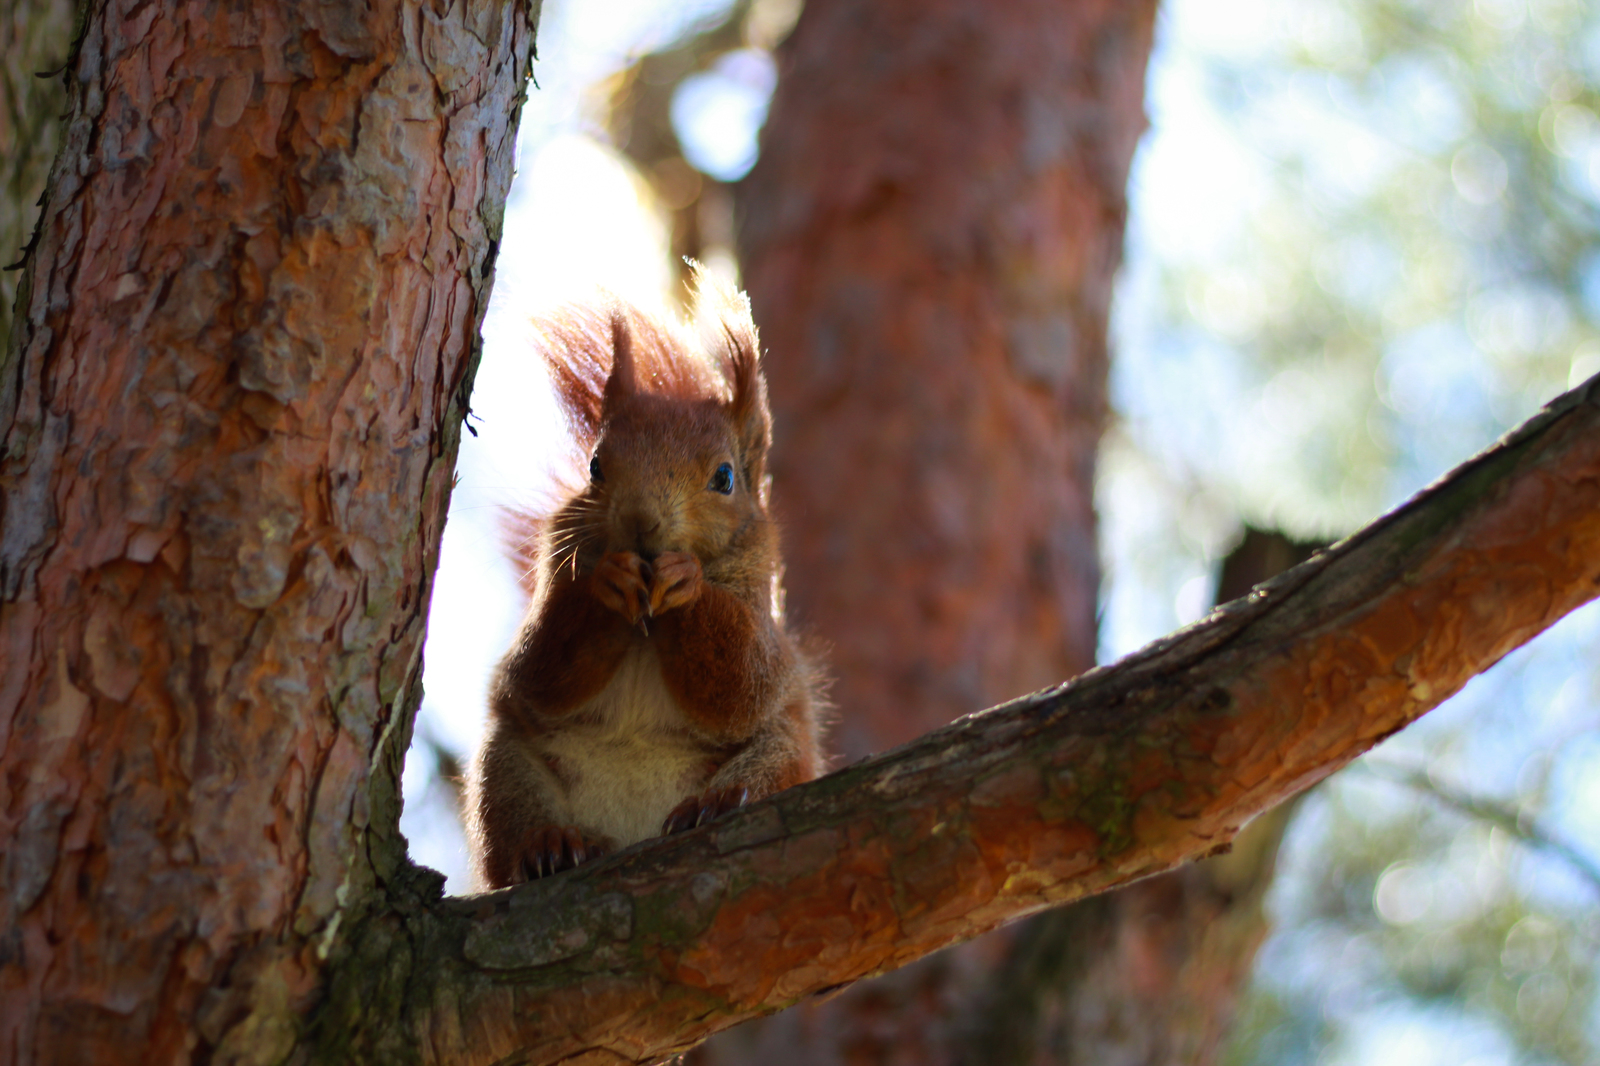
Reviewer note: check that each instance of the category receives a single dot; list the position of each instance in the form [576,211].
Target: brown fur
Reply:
[653,682]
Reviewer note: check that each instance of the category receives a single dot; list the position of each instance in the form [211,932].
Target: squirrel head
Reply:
[676,430]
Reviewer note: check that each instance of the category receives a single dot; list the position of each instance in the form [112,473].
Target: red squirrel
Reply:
[653,684]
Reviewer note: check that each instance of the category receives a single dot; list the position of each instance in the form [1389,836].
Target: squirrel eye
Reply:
[594,470]
[722,480]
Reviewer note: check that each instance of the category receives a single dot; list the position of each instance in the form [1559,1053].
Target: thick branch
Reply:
[1124,772]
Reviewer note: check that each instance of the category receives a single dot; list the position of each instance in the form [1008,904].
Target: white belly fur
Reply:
[626,757]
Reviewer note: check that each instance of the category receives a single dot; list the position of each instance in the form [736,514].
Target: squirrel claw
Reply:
[676,580]
[698,810]
[552,849]
[621,582]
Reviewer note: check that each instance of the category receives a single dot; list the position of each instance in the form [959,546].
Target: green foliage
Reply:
[1398,914]
[1413,266]
[1409,277]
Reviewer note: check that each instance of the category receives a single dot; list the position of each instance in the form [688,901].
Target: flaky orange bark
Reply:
[35,39]
[229,422]
[1124,772]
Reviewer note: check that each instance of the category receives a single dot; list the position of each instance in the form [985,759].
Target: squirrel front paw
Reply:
[678,580]
[698,810]
[551,849]
[621,581]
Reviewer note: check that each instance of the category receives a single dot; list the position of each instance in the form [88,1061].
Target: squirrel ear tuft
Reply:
[747,409]
[728,331]
[573,341]
[622,380]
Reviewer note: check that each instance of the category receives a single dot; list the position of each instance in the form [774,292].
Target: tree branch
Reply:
[1124,772]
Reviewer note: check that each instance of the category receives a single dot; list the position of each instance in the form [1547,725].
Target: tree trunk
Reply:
[930,239]
[230,414]
[35,38]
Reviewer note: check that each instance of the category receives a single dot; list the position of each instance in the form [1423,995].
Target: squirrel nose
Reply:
[648,537]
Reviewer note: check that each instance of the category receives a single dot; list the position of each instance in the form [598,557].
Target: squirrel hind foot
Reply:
[550,850]
[710,804]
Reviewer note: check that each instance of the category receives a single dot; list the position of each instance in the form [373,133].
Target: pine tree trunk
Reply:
[35,39]
[930,239]
[229,418]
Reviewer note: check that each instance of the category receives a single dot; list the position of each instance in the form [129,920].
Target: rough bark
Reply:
[35,38]
[229,418]
[1117,775]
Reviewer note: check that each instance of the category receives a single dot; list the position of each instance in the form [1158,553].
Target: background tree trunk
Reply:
[930,239]
[229,419]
